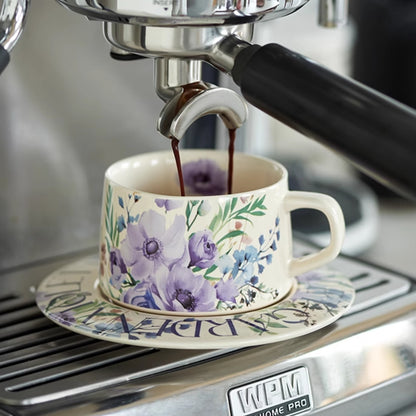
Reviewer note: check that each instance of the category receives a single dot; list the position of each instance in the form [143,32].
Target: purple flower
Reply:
[182,291]
[202,249]
[140,296]
[149,245]
[117,267]
[204,177]
[227,290]
[65,317]
[168,204]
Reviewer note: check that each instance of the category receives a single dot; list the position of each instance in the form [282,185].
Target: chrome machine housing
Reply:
[183,12]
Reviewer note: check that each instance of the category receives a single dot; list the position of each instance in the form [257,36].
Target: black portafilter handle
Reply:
[4,58]
[376,133]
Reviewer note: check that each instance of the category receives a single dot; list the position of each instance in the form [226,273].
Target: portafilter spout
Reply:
[188,98]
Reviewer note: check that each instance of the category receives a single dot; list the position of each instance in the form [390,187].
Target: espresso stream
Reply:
[176,153]
[190,91]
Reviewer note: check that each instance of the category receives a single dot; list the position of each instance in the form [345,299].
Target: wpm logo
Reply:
[285,394]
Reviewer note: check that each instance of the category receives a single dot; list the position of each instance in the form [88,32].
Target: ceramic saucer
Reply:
[71,298]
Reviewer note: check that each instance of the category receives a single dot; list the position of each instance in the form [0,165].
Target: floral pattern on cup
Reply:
[204,177]
[159,260]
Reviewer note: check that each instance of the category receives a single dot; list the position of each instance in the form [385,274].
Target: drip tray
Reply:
[368,353]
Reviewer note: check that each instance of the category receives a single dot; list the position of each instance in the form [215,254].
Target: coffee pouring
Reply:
[373,131]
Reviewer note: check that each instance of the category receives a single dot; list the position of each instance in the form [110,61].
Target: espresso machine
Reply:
[179,35]
[364,364]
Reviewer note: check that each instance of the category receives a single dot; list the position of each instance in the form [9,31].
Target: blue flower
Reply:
[249,255]
[225,264]
[246,273]
[121,202]
[133,219]
[254,280]
[121,224]
[244,265]
[116,327]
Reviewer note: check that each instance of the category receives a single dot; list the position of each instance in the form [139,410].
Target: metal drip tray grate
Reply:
[40,361]
[42,364]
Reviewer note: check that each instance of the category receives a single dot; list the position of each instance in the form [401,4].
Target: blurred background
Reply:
[67,111]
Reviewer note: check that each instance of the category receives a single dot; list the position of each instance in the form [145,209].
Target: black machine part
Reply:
[376,133]
[4,58]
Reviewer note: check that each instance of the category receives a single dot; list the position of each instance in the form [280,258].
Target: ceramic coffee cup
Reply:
[207,252]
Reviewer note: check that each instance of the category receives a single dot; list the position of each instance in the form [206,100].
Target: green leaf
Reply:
[211,278]
[188,210]
[231,234]
[233,203]
[66,300]
[246,208]
[108,219]
[211,269]
[107,225]
[258,331]
[226,209]
[275,325]
[259,201]
[108,244]
[240,217]
[216,221]
[258,213]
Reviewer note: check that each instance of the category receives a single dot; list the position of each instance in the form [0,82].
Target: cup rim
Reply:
[128,160]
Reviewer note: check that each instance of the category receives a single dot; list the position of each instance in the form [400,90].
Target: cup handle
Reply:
[331,209]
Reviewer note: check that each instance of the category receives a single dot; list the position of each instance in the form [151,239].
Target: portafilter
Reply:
[375,132]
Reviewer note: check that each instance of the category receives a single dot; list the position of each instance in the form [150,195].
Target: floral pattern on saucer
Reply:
[71,298]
